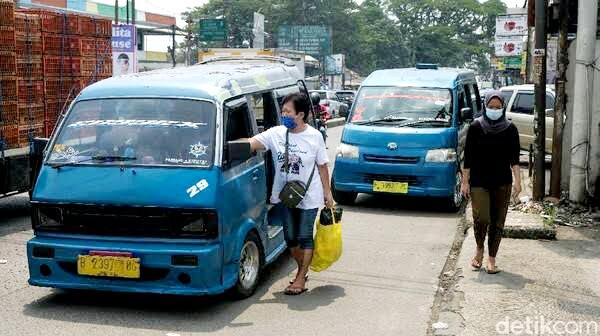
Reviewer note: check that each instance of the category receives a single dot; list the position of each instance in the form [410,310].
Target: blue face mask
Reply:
[493,114]
[289,122]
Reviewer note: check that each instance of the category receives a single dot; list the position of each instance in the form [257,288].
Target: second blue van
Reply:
[406,134]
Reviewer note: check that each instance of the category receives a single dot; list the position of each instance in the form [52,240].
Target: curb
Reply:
[522,232]
[336,122]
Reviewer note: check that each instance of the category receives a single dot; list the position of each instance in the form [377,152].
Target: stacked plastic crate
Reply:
[8,84]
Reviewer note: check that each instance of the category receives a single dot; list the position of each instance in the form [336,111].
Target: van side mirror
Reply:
[466,114]
[36,156]
[238,150]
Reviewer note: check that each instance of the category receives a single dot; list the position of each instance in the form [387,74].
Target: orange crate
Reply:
[60,44]
[56,22]
[62,66]
[9,113]
[57,88]
[31,91]
[8,89]
[91,46]
[86,25]
[8,64]
[27,46]
[9,137]
[54,108]
[32,114]
[30,68]
[28,24]
[29,132]
[49,126]
[7,13]
[103,27]
[7,38]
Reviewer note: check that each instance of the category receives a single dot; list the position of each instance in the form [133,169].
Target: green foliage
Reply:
[377,33]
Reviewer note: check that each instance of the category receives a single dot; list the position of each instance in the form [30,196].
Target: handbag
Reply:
[293,192]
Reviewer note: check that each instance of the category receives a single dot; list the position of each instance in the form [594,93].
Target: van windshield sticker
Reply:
[62,152]
[137,122]
[203,163]
[197,188]
[198,150]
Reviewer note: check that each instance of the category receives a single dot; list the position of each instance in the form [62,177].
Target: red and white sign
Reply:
[508,46]
[511,25]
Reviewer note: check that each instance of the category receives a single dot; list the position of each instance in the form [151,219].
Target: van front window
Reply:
[137,131]
[403,106]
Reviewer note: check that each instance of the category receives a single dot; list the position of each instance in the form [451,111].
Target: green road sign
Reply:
[513,62]
[313,40]
[213,30]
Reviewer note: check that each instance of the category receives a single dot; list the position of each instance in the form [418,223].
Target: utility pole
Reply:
[188,39]
[561,101]
[587,16]
[174,27]
[133,12]
[539,60]
[116,11]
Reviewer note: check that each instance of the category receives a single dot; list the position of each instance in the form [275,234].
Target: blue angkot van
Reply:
[406,134]
[144,188]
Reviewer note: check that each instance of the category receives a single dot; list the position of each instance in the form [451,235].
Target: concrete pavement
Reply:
[384,284]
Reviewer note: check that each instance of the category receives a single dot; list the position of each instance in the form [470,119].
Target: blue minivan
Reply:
[406,134]
[144,188]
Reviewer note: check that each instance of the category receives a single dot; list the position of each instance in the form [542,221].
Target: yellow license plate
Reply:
[108,266]
[390,187]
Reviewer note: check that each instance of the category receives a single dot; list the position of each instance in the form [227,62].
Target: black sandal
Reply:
[305,279]
[294,291]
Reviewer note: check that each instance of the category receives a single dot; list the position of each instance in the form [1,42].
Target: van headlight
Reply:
[347,151]
[441,155]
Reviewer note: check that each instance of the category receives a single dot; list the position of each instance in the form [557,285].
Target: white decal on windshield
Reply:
[197,188]
[203,163]
[198,150]
[136,122]
[61,152]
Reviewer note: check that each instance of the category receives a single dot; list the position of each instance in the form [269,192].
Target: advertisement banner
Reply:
[313,40]
[508,46]
[511,25]
[334,64]
[124,48]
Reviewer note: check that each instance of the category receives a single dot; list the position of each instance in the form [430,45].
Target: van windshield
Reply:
[137,131]
[410,106]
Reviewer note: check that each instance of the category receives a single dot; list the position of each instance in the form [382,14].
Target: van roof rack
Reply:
[430,66]
[274,59]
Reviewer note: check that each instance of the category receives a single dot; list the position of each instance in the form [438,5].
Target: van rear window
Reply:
[137,131]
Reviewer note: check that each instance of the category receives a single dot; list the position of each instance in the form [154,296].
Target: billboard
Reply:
[334,64]
[313,40]
[511,25]
[508,46]
[124,48]
[213,30]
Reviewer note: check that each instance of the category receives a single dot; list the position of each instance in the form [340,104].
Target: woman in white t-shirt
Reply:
[306,152]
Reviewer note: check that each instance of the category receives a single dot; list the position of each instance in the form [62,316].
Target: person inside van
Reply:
[492,150]
[299,155]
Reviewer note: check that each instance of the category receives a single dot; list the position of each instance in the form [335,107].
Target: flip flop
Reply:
[294,291]
[474,266]
[495,271]
[305,280]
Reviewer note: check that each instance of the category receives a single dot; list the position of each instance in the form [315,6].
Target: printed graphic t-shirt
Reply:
[305,148]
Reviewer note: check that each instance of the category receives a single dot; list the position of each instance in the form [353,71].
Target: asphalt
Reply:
[384,284]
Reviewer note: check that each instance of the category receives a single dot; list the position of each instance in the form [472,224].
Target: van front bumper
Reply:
[424,179]
[158,275]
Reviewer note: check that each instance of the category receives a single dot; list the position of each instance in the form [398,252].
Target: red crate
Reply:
[62,66]
[31,91]
[88,67]
[7,13]
[8,89]
[31,114]
[103,28]
[9,137]
[8,64]
[30,68]
[54,108]
[87,25]
[9,113]
[49,126]
[60,44]
[28,24]
[29,132]
[105,66]
[91,46]
[57,88]
[28,46]
[7,38]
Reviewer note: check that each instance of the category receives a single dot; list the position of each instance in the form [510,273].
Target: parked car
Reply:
[335,107]
[346,96]
[520,101]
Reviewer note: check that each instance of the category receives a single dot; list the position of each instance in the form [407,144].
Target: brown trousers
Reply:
[489,214]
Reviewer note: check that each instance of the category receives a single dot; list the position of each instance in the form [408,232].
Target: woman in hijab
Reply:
[492,151]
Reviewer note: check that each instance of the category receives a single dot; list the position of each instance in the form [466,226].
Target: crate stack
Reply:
[9,131]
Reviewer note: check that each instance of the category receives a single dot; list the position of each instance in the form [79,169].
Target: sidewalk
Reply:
[542,282]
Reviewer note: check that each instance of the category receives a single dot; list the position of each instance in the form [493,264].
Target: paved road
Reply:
[394,250]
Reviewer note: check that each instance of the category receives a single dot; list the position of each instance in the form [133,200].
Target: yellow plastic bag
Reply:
[328,245]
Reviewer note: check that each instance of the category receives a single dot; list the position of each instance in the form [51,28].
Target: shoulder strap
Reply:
[311,176]
[286,157]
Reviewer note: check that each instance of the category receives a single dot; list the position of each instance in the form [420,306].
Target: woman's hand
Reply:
[329,199]
[465,189]
[516,190]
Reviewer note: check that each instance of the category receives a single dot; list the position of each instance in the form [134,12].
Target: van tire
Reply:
[251,248]
[343,197]
[455,202]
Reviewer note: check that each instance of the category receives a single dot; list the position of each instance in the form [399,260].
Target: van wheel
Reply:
[343,197]
[250,266]
[455,201]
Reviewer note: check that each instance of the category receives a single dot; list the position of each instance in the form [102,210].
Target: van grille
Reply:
[390,159]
